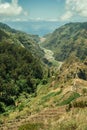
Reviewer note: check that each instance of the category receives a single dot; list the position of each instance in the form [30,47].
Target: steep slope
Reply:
[73,68]
[21,68]
[67,40]
[28,41]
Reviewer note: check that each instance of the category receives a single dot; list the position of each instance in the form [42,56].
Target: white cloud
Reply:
[66,16]
[75,7]
[78,6]
[10,9]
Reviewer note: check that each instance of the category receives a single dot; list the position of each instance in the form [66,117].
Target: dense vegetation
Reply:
[67,40]
[20,66]
[28,41]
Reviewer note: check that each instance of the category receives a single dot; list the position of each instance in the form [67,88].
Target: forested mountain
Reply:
[67,40]
[20,66]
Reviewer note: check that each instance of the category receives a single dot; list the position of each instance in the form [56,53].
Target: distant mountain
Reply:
[40,28]
[5,27]
[67,40]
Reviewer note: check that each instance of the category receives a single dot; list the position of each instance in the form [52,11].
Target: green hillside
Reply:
[21,68]
[13,36]
[67,40]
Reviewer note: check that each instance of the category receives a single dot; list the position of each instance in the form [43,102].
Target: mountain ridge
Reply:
[69,39]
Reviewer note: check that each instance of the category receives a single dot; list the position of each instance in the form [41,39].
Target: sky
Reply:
[57,12]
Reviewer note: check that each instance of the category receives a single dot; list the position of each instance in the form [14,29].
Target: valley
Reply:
[43,86]
[49,55]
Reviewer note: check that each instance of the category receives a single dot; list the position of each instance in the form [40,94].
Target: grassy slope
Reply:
[51,100]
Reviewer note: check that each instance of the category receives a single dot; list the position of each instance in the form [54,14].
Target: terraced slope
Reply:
[42,117]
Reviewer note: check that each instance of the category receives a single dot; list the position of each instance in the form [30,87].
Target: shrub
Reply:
[71,98]
[84,91]
[1,121]
[80,104]
[44,81]
[21,107]
[69,125]
[2,107]
[34,126]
